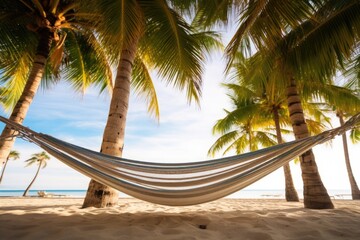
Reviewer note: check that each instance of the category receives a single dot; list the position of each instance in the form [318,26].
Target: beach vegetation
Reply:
[13,155]
[344,102]
[43,41]
[39,159]
[304,41]
[144,37]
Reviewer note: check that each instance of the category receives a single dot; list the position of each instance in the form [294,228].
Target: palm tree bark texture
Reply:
[290,191]
[99,195]
[315,194]
[31,87]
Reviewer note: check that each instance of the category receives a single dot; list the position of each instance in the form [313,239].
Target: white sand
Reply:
[62,218]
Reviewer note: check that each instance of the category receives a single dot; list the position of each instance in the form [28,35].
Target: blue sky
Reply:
[183,134]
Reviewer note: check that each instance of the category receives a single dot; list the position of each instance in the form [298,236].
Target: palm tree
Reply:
[262,105]
[344,102]
[14,155]
[38,39]
[355,192]
[40,159]
[301,38]
[143,36]
[269,99]
[241,130]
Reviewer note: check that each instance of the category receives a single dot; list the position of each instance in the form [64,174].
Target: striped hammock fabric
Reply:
[177,184]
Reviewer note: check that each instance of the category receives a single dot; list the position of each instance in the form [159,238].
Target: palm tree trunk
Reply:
[37,173]
[290,191]
[315,194]
[32,84]
[99,195]
[3,169]
[355,192]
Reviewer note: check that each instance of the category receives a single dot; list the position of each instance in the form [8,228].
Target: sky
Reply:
[182,135]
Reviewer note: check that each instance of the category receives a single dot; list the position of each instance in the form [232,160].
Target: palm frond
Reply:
[143,85]
[174,52]
[122,21]
[240,145]
[75,67]
[315,127]
[328,42]
[85,62]
[14,155]
[235,118]
[355,135]
[217,12]
[13,78]
[262,23]
[265,139]
[221,142]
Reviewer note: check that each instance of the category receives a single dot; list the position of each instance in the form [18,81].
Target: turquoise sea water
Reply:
[68,193]
[277,194]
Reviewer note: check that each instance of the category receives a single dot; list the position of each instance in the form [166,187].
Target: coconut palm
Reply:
[302,40]
[143,36]
[40,38]
[355,192]
[241,129]
[345,102]
[269,99]
[14,155]
[41,160]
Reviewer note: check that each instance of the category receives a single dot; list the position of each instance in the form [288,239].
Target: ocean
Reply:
[246,193]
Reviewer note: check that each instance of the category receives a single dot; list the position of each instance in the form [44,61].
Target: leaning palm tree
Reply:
[40,38]
[14,155]
[40,159]
[142,36]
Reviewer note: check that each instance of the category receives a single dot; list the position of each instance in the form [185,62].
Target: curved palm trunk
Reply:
[315,194]
[99,195]
[290,191]
[355,192]
[28,188]
[32,84]
[3,169]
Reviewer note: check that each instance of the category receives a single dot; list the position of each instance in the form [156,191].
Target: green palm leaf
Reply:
[143,85]
[355,135]
[226,139]
[174,52]
[122,21]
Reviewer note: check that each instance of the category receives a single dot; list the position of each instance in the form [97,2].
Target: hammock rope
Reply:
[176,184]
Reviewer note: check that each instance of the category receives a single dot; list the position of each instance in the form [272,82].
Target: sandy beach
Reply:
[62,218]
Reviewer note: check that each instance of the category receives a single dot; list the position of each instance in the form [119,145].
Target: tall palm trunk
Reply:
[31,183]
[290,191]
[32,84]
[315,194]
[355,192]
[99,195]
[3,169]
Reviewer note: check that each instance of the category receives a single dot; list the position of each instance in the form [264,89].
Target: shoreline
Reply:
[243,194]
[63,218]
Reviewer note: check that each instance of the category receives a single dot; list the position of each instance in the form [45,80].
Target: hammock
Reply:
[176,184]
